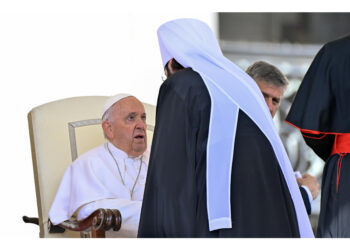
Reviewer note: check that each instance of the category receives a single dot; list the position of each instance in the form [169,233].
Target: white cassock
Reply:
[93,181]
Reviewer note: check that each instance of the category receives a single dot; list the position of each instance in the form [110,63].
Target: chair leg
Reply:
[97,233]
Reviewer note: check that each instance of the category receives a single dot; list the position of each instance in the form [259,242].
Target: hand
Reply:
[311,183]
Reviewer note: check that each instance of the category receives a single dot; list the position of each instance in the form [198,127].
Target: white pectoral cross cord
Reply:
[120,174]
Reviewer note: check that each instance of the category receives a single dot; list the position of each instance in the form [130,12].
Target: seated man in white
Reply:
[112,175]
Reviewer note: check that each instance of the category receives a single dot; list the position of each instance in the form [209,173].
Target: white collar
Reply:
[120,154]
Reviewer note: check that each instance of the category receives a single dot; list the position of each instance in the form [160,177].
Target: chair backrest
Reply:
[60,131]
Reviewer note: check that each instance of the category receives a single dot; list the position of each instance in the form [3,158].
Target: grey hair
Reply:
[263,71]
[107,116]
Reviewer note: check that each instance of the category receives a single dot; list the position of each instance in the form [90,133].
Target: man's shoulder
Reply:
[337,50]
[93,154]
[187,78]
[184,80]
[338,44]
[187,83]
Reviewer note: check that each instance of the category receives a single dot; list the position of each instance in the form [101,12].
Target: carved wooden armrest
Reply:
[98,222]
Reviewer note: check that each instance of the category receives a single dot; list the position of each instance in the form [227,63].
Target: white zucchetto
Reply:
[112,100]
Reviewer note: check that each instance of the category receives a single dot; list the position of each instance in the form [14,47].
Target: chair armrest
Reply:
[33,220]
[98,222]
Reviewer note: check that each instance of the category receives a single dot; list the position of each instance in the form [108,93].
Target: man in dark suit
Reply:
[273,83]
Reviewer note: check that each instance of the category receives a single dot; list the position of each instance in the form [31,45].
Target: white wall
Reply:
[46,56]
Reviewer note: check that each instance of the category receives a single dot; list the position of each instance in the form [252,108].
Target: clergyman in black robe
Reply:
[175,200]
[321,111]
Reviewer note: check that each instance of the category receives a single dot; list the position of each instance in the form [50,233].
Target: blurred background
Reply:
[289,41]
[50,52]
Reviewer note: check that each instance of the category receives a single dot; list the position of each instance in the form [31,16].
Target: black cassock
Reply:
[321,110]
[175,201]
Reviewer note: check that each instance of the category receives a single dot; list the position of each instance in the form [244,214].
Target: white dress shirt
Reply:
[309,195]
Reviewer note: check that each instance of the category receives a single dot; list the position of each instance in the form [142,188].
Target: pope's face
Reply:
[127,128]
[272,95]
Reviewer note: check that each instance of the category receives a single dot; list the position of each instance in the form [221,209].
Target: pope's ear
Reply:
[107,129]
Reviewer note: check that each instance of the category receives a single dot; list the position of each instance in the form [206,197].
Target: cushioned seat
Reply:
[60,131]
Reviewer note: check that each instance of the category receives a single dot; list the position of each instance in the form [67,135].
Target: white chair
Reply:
[60,131]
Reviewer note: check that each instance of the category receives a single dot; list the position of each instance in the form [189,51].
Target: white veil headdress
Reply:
[192,43]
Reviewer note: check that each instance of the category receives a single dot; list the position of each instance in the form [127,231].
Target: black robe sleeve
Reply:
[322,102]
[305,197]
[321,144]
